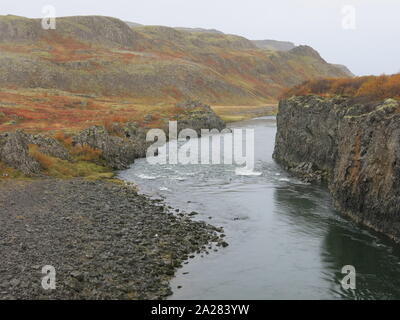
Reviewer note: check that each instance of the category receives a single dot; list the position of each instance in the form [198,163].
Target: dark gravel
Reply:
[104,240]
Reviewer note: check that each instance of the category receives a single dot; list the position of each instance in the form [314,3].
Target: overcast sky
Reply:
[369,46]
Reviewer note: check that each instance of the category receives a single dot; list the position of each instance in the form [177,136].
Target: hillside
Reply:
[274,45]
[149,64]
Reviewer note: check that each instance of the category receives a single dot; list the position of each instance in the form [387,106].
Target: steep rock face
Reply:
[116,151]
[354,147]
[14,150]
[306,138]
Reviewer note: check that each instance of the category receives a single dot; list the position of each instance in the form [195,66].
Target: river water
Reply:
[286,240]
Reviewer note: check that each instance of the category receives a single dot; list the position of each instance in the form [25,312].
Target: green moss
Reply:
[389,106]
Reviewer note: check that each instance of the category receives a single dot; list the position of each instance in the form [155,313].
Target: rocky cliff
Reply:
[354,147]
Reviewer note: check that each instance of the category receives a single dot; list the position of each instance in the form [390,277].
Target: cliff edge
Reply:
[353,146]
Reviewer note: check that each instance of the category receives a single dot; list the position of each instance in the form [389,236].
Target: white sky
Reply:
[373,47]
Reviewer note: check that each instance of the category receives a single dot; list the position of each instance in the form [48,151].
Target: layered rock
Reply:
[354,147]
[14,150]
[116,151]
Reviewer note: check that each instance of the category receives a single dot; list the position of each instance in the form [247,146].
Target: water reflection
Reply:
[377,267]
[375,259]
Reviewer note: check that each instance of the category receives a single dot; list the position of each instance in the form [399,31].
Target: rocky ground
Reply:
[103,239]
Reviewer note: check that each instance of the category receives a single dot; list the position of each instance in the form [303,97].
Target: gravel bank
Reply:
[104,240]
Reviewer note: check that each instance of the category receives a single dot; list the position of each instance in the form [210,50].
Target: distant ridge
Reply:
[199,30]
[274,45]
[153,64]
[133,24]
[344,69]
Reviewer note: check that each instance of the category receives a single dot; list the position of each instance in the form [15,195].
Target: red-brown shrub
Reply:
[371,87]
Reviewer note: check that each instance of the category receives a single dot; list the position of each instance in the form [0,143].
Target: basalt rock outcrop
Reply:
[197,116]
[354,147]
[14,150]
[120,143]
[118,152]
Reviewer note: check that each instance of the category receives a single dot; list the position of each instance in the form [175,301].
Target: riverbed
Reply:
[286,240]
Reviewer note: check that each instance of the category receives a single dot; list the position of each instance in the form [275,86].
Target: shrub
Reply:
[59,168]
[9,173]
[373,88]
[86,153]
[63,139]
[45,161]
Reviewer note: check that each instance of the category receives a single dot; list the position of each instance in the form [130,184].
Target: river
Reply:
[286,240]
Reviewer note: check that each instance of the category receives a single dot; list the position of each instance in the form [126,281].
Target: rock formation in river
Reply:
[354,147]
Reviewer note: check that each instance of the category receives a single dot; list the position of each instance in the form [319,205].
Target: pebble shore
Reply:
[104,240]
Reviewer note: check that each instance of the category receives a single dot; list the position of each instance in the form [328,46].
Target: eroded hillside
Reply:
[150,64]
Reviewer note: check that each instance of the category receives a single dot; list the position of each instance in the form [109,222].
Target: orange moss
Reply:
[86,153]
[62,138]
[82,166]
[45,161]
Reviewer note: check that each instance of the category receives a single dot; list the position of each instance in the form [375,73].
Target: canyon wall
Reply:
[352,146]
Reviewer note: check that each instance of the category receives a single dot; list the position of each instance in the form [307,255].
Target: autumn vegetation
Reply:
[61,115]
[52,111]
[79,167]
[99,71]
[368,88]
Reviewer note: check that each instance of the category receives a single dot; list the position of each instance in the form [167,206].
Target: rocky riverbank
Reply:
[354,146]
[104,240]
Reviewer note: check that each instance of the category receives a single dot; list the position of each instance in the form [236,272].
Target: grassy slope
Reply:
[149,64]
